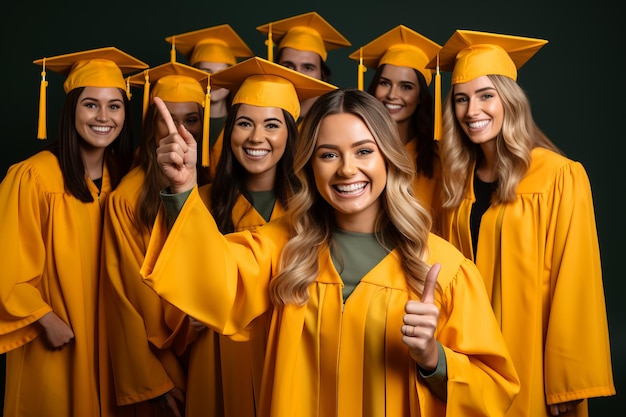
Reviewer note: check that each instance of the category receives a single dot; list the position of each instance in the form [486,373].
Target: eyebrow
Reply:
[113,100]
[399,82]
[354,145]
[480,90]
[269,119]
[285,63]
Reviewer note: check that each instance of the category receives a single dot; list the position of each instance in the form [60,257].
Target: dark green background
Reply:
[574,83]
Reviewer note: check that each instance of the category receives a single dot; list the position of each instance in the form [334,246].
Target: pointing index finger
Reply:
[428,295]
[165,114]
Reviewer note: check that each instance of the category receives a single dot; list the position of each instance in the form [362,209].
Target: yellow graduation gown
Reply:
[50,252]
[233,365]
[541,254]
[214,155]
[138,328]
[326,358]
[427,190]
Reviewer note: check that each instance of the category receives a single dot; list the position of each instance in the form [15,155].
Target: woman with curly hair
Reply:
[369,312]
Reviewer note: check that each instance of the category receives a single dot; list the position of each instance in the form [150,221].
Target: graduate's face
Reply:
[100,115]
[479,109]
[259,138]
[349,170]
[398,90]
[217,94]
[187,113]
[305,62]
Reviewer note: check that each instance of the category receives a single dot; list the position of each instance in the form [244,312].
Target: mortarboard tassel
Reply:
[128,92]
[146,94]
[361,70]
[205,130]
[438,115]
[270,45]
[41,126]
[173,50]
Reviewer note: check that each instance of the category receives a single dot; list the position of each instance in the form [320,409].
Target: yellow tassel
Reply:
[173,50]
[361,70]
[41,127]
[438,112]
[146,94]
[205,130]
[128,92]
[270,45]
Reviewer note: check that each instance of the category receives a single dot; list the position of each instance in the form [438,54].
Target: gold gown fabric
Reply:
[427,190]
[326,358]
[232,364]
[541,254]
[50,249]
[138,328]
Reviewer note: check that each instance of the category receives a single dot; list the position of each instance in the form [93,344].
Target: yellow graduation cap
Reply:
[177,83]
[305,32]
[401,46]
[102,67]
[471,54]
[215,44]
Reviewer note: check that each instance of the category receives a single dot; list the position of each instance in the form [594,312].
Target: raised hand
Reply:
[177,153]
[420,323]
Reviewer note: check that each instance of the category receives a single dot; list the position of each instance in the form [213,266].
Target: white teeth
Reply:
[393,106]
[257,152]
[351,188]
[103,129]
[478,125]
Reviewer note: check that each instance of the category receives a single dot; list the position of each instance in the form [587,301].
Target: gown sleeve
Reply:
[577,355]
[22,255]
[234,270]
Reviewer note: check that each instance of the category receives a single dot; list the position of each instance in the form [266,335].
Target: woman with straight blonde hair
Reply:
[524,213]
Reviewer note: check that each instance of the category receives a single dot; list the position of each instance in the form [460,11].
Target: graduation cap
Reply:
[401,46]
[305,32]
[259,82]
[102,67]
[471,54]
[215,44]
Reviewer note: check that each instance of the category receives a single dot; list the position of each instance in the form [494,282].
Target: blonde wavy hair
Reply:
[518,137]
[402,222]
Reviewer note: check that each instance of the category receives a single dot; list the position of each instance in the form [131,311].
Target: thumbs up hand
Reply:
[420,323]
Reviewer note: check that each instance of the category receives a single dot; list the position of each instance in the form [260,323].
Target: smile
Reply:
[102,129]
[256,152]
[478,125]
[393,106]
[351,188]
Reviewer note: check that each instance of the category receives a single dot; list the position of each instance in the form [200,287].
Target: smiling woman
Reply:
[348,282]
[51,218]
[515,205]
